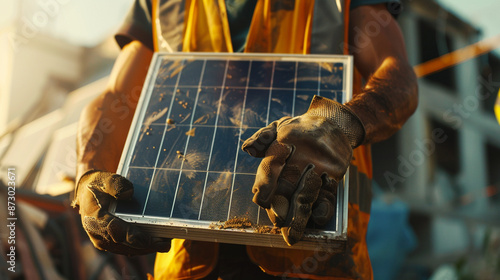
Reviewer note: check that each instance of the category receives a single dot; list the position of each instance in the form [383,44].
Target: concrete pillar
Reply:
[473,172]
[415,182]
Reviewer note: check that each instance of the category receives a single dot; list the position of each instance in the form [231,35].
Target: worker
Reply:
[303,157]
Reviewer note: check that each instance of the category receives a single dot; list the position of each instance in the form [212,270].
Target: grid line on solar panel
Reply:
[188,136]
[270,93]
[213,137]
[158,156]
[239,138]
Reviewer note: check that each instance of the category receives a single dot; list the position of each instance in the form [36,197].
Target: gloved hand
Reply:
[94,193]
[304,159]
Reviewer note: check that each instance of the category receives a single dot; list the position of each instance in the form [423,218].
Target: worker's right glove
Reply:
[94,193]
[305,157]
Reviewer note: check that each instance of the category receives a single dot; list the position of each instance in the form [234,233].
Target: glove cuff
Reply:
[348,122]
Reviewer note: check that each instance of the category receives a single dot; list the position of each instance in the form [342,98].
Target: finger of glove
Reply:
[130,235]
[287,185]
[278,210]
[301,206]
[324,207]
[266,179]
[110,233]
[93,201]
[109,227]
[113,184]
[260,141]
[126,250]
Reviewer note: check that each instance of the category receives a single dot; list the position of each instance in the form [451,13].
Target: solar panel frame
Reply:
[203,230]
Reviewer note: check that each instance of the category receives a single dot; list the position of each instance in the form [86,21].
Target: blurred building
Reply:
[447,156]
[46,82]
[49,83]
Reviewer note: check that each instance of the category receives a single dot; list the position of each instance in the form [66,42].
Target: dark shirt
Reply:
[137,24]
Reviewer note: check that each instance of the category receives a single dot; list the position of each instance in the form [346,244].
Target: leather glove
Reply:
[304,159]
[94,193]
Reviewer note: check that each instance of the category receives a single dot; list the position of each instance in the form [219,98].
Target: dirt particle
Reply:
[180,154]
[244,223]
[234,223]
[170,121]
[267,229]
[191,132]
[183,104]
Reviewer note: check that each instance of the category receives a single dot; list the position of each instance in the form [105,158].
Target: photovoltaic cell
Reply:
[183,153]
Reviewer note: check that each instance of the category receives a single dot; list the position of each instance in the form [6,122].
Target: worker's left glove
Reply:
[304,159]
[95,191]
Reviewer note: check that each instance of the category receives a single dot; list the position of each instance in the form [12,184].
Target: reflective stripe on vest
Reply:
[497,107]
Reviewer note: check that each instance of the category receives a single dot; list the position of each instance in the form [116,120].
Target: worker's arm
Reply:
[105,121]
[306,156]
[102,132]
[390,96]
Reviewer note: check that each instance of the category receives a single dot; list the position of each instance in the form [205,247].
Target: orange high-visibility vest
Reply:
[306,27]
[497,107]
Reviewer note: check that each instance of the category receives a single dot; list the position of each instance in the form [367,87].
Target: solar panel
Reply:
[183,153]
